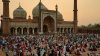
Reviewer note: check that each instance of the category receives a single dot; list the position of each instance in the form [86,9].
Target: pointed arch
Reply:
[12,30]
[18,30]
[30,31]
[24,30]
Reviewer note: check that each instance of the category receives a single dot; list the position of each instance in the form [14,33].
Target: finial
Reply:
[40,1]
[56,6]
[19,3]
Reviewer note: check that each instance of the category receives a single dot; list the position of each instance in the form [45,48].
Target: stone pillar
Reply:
[21,30]
[33,31]
[6,8]
[60,30]
[55,27]
[37,30]
[70,30]
[67,30]
[75,16]
[16,31]
[39,18]
[56,18]
[41,25]
[5,22]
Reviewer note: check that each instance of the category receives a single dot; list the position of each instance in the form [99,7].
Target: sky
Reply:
[88,10]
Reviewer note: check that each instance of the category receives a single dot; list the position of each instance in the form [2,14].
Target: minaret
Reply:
[56,7]
[5,8]
[5,18]
[75,16]
[39,20]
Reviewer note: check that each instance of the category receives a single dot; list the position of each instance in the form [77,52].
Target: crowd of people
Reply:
[49,45]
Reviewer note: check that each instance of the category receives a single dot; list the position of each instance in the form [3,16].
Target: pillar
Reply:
[5,8]
[70,30]
[41,25]
[5,18]
[33,31]
[21,30]
[55,26]
[39,19]
[75,16]
[16,31]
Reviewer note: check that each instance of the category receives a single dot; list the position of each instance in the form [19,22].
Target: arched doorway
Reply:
[12,30]
[48,24]
[24,31]
[57,29]
[68,30]
[35,30]
[30,31]
[18,30]
[61,30]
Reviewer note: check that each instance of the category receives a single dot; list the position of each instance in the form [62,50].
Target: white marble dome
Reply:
[59,16]
[19,12]
[35,11]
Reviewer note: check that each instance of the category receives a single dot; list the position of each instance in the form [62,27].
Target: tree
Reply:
[96,25]
[90,26]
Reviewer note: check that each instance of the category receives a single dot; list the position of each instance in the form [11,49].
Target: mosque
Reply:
[42,21]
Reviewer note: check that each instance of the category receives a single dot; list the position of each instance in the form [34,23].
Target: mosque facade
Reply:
[42,21]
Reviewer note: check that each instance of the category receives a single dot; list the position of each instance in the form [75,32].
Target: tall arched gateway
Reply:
[48,24]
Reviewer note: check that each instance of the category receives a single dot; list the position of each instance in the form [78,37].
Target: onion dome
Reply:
[59,16]
[35,11]
[19,13]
